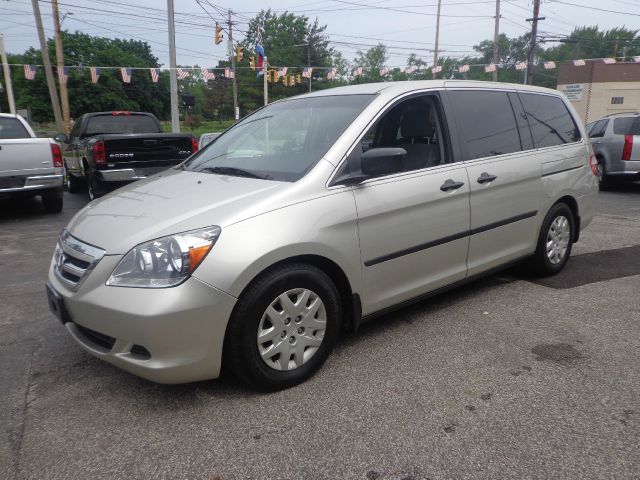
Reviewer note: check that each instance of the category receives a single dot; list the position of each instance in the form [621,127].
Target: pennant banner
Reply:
[463,68]
[549,65]
[95,74]
[125,73]
[29,72]
[182,74]
[356,72]
[228,73]
[384,71]
[208,74]
[306,73]
[283,71]
[609,60]
[436,69]
[155,74]
[410,69]
[579,63]
[490,68]
[331,74]
[63,75]
[521,66]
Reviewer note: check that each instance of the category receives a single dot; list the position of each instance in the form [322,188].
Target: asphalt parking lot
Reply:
[508,377]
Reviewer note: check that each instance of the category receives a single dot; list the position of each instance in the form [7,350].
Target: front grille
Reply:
[100,339]
[73,259]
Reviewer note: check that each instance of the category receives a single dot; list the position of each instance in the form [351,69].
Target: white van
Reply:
[316,213]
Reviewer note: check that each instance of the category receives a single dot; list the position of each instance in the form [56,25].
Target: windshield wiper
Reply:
[238,172]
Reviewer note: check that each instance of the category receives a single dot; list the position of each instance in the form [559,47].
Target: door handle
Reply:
[450,185]
[486,178]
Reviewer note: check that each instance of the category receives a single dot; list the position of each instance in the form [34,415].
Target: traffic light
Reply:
[239,54]
[218,34]
[298,78]
[252,62]
[276,76]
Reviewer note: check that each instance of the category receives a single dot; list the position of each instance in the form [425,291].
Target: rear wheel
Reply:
[604,181]
[283,328]
[554,241]
[52,200]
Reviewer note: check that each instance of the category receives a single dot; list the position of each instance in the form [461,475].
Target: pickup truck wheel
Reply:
[74,184]
[94,186]
[52,200]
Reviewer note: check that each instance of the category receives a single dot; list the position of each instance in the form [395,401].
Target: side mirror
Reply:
[383,161]
[61,138]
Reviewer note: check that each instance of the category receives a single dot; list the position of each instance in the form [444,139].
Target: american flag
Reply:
[384,71]
[182,74]
[490,68]
[436,69]
[332,73]
[636,59]
[29,72]
[356,71]
[306,73]
[410,69]
[579,63]
[208,74]
[463,68]
[155,74]
[63,75]
[283,71]
[228,72]
[95,74]
[549,65]
[125,72]
[521,65]
[609,60]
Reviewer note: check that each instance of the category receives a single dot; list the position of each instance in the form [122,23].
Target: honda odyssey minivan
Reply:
[313,215]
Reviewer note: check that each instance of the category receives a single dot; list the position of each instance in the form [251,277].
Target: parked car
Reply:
[29,165]
[207,138]
[109,149]
[316,213]
[616,145]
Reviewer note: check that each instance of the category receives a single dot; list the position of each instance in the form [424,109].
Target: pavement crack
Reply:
[18,443]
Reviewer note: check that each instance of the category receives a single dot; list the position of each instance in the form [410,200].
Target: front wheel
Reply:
[94,186]
[554,241]
[283,328]
[74,184]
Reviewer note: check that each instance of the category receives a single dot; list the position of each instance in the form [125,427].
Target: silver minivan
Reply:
[315,214]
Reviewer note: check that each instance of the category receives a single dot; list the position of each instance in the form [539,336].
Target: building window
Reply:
[617,100]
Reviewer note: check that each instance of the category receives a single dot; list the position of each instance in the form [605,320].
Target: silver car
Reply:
[315,214]
[616,145]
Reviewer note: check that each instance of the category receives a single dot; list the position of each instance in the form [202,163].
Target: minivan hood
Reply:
[171,202]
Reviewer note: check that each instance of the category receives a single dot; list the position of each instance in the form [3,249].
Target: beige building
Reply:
[599,89]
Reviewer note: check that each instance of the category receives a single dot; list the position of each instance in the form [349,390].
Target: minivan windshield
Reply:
[281,141]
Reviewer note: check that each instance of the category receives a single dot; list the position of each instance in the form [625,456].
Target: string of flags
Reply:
[281,73]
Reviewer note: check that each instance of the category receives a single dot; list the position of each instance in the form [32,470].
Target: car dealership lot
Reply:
[509,376]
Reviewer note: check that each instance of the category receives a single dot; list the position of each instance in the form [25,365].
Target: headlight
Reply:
[166,261]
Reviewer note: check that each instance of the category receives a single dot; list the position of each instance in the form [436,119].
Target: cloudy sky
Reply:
[405,26]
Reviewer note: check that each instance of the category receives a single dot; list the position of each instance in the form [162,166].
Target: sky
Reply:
[405,26]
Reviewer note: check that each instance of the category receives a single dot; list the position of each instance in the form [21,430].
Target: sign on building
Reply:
[573,91]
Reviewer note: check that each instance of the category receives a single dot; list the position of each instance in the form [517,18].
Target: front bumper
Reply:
[35,182]
[182,328]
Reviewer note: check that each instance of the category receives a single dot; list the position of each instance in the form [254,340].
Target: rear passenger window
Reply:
[550,121]
[487,123]
[626,126]
[598,129]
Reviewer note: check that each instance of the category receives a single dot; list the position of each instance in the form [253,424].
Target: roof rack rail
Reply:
[621,113]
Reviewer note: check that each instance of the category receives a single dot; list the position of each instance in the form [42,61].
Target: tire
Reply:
[259,366]
[604,181]
[94,186]
[53,200]
[74,184]
[551,259]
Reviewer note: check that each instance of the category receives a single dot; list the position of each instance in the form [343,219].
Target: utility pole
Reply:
[496,36]
[532,40]
[64,94]
[309,63]
[7,76]
[173,78]
[236,111]
[435,53]
[264,78]
[51,82]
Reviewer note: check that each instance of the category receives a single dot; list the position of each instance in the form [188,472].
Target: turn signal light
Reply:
[56,154]
[99,153]
[628,145]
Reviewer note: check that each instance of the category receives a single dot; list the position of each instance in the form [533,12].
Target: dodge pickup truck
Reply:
[108,149]
[29,165]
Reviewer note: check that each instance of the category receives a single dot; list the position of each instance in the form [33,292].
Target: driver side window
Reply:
[414,125]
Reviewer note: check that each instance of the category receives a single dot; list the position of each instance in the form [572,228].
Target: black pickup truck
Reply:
[108,149]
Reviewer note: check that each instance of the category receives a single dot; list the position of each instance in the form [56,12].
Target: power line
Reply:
[596,8]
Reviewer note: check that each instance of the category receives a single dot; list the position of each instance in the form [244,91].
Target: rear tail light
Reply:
[56,154]
[99,153]
[628,145]
[593,163]
[194,145]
